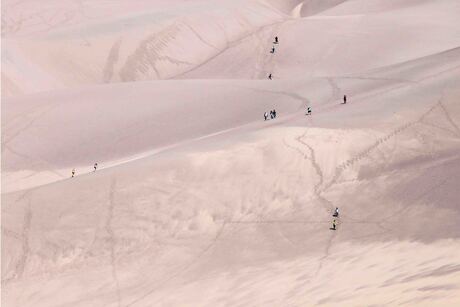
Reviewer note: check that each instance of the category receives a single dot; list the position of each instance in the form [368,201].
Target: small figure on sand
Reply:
[95,167]
[270,77]
[308,111]
[344,99]
[276,40]
[336,212]
[273,50]
[333,225]
[272,114]
[73,173]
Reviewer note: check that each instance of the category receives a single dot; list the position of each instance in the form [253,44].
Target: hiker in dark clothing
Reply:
[336,212]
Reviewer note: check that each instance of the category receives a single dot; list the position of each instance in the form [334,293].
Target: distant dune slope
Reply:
[344,39]
[141,43]
[226,39]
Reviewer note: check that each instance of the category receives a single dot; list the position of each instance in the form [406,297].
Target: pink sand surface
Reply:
[197,200]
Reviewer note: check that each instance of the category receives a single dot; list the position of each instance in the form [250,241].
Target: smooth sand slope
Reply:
[198,201]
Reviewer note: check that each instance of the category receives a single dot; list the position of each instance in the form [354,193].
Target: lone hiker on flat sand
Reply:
[336,213]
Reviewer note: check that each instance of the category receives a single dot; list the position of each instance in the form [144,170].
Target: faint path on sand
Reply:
[112,239]
[24,238]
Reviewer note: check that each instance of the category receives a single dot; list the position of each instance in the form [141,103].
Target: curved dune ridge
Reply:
[197,200]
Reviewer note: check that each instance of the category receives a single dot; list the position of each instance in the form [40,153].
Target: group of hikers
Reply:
[94,169]
[272,114]
[270,76]
[274,43]
[334,222]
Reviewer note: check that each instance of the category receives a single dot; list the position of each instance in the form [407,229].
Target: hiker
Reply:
[276,39]
[344,99]
[269,76]
[336,213]
[273,50]
[333,225]
[73,173]
[274,113]
[95,167]
[308,111]
[265,116]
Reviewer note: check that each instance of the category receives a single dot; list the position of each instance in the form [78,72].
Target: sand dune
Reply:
[200,202]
